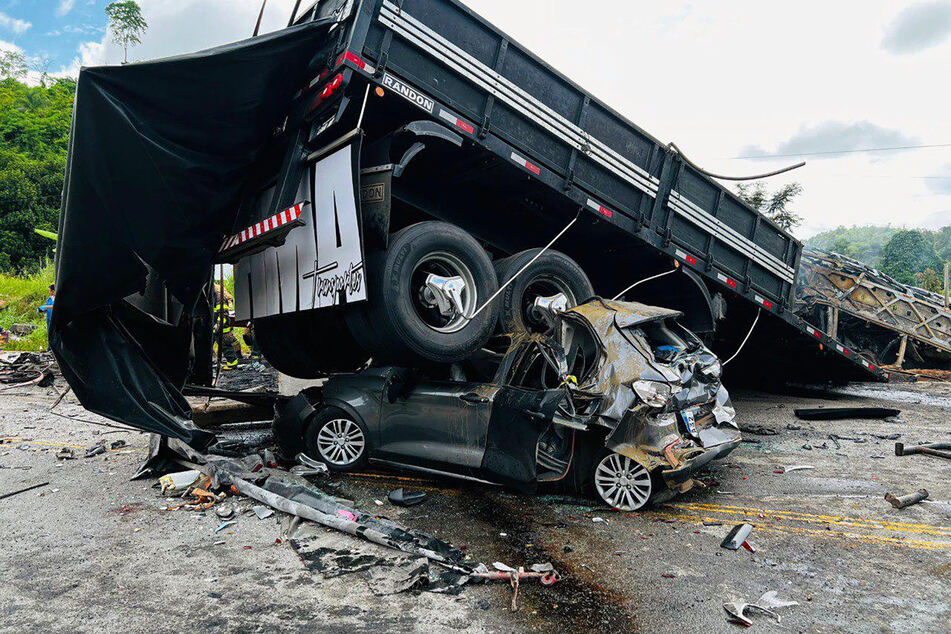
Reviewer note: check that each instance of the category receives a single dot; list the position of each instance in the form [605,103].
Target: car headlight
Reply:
[654,393]
[713,371]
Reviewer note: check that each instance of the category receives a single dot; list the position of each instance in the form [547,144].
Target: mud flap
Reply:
[320,264]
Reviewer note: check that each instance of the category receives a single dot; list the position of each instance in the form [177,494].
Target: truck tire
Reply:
[401,324]
[309,344]
[551,274]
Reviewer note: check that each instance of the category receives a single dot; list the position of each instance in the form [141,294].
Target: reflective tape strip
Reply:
[730,236]
[445,115]
[726,280]
[686,257]
[269,224]
[763,301]
[495,84]
[815,333]
[601,209]
[531,167]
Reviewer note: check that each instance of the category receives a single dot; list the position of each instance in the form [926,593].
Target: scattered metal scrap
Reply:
[900,502]
[23,490]
[766,604]
[937,449]
[25,369]
[737,536]
[847,413]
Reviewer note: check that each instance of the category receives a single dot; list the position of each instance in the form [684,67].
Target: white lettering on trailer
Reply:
[408,93]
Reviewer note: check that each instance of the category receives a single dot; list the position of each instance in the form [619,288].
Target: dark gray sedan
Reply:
[620,401]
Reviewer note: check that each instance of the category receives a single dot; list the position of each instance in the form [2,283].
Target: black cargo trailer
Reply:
[396,181]
[460,124]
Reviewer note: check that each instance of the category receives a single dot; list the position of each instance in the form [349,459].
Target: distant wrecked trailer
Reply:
[885,320]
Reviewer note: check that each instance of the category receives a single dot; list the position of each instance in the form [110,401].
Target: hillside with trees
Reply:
[34,139]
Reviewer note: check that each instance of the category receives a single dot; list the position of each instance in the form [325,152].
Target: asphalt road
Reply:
[93,551]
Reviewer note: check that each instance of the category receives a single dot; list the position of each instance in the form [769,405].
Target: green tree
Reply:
[34,136]
[12,65]
[126,25]
[774,206]
[929,280]
[843,246]
[907,253]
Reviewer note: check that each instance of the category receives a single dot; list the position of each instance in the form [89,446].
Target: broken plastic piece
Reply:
[225,525]
[262,512]
[178,483]
[402,497]
[799,467]
[900,502]
[736,536]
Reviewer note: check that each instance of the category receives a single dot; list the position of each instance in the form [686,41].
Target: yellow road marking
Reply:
[869,539]
[810,518]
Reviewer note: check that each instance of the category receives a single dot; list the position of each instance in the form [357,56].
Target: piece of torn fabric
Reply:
[159,154]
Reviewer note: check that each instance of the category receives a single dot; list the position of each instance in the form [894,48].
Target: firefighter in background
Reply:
[224,329]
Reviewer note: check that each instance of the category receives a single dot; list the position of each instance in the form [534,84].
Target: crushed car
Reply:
[618,399]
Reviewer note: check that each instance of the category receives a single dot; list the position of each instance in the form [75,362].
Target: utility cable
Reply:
[673,146]
[747,338]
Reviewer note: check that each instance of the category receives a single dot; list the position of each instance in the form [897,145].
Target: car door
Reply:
[438,425]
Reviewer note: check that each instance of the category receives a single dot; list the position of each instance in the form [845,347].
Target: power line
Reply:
[858,151]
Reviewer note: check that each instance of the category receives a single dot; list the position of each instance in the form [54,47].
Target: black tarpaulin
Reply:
[159,153]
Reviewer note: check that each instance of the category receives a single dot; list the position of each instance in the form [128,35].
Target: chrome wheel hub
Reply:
[622,483]
[340,442]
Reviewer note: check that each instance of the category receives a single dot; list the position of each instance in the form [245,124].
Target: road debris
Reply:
[23,490]
[766,604]
[847,413]
[177,484]
[937,449]
[900,502]
[736,537]
[224,512]
[792,468]
[262,512]
[402,497]
[95,450]
[65,453]
[226,525]
[545,573]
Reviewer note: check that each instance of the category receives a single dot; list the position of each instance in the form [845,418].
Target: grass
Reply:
[23,295]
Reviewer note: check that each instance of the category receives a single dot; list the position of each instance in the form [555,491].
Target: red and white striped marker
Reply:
[269,224]
[726,280]
[466,127]
[686,257]
[765,303]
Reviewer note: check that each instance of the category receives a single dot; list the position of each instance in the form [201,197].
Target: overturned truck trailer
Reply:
[395,181]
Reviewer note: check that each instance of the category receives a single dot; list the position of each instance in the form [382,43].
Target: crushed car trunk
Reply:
[187,130]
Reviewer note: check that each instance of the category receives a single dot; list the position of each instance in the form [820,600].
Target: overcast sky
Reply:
[726,79]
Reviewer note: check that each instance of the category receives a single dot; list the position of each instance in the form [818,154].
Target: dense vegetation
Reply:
[34,138]
[912,256]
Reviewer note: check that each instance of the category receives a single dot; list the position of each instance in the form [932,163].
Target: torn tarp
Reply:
[159,154]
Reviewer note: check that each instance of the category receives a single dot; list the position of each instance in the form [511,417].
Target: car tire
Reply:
[338,439]
[397,325]
[552,273]
[310,344]
[620,482]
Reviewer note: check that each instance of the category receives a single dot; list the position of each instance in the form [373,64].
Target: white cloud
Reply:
[65,6]
[9,46]
[830,139]
[14,24]
[918,27]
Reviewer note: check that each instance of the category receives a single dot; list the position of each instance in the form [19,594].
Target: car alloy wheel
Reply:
[340,442]
[622,483]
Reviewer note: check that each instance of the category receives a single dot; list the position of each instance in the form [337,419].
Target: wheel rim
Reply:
[445,265]
[543,286]
[622,483]
[340,442]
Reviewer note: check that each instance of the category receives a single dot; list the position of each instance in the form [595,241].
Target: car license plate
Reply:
[689,417]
